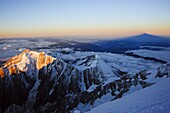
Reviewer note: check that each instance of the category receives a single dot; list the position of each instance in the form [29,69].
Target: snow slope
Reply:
[154,99]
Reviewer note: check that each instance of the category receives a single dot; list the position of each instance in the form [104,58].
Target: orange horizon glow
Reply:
[100,32]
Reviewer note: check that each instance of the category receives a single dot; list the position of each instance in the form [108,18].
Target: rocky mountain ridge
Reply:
[36,82]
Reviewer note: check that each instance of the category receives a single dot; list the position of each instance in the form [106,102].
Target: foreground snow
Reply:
[154,99]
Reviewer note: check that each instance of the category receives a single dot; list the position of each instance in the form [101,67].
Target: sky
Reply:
[115,18]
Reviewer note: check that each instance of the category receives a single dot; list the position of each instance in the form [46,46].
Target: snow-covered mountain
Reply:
[36,82]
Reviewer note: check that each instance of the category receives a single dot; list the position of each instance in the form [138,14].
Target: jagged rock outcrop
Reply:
[95,70]
[163,70]
[117,88]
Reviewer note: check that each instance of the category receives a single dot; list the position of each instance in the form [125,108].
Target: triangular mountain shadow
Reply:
[146,38]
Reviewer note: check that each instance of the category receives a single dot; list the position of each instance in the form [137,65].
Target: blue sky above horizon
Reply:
[43,18]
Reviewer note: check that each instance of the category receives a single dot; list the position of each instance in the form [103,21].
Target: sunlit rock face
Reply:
[27,61]
[1,73]
[43,60]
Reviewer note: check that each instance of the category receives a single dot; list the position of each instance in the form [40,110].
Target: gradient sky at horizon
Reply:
[43,18]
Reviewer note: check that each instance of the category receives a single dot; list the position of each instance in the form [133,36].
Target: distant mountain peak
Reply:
[26,61]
